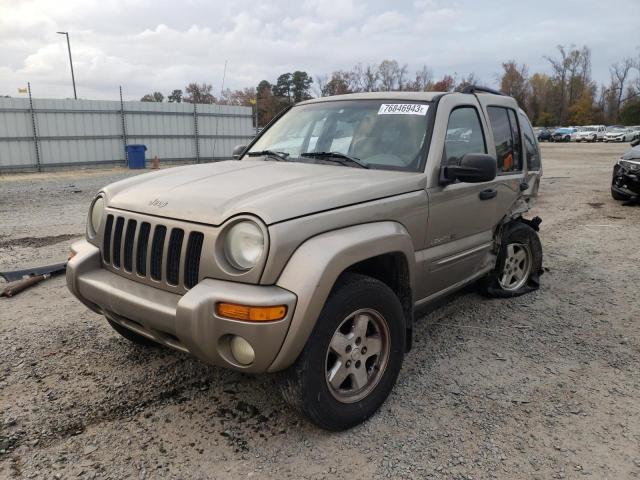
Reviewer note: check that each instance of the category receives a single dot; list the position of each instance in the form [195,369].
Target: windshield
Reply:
[382,134]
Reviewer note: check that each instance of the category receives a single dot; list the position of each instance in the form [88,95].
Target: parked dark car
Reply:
[563,135]
[544,135]
[625,184]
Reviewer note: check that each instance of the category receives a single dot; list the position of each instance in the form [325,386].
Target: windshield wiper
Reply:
[341,158]
[278,156]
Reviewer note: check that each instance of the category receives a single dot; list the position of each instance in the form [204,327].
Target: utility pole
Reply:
[73,79]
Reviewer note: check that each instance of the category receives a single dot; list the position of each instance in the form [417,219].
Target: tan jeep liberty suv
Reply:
[309,252]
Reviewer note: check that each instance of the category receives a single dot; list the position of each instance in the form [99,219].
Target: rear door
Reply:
[505,136]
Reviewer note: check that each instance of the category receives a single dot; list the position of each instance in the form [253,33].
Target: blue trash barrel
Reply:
[135,154]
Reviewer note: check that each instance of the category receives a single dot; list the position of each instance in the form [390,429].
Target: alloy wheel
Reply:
[357,355]
[517,267]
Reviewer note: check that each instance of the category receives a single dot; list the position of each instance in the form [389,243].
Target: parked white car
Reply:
[619,135]
[591,133]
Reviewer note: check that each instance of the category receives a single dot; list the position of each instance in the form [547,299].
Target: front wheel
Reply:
[352,358]
[519,263]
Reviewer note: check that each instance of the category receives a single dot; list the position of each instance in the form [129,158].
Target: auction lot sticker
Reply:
[403,109]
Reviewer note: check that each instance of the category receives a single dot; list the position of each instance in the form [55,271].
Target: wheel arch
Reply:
[318,263]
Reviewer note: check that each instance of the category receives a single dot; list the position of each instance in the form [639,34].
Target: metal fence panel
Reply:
[91,132]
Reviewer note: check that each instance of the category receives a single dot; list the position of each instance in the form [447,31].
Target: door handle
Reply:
[488,194]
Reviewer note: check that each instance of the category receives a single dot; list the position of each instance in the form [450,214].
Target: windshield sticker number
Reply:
[403,109]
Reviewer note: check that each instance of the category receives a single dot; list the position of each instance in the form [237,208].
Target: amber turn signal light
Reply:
[251,314]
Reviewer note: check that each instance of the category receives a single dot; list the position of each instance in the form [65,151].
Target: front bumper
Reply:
[183,322]
[625,182]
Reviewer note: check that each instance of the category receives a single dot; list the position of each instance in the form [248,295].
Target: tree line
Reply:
[565,94]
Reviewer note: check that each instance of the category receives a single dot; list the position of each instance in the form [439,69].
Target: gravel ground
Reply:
[541,386]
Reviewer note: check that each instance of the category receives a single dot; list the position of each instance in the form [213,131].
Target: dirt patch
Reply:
[36,242]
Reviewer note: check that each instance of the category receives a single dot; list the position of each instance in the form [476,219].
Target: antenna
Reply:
[215,135]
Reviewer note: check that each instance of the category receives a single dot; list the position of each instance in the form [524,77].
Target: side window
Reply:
[530,145]
[507,139]
[464,134]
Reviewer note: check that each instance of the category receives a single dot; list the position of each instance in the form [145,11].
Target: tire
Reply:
[519,264]
[132,336]
[619,196]
[355,299]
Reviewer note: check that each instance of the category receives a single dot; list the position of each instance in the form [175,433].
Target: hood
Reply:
[274,191]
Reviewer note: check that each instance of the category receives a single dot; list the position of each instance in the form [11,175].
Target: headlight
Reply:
[629,165]
[95,215]
[243,245]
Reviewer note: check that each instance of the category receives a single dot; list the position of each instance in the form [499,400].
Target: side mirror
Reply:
[238,150]
[473,168]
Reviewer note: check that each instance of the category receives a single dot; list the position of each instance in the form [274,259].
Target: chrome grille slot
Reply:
[128,245]
[192,259]
[117,242]
[160,252]
[173,256]
[157,247]
[143,247]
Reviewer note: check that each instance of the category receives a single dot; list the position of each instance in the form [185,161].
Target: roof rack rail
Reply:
[477,88]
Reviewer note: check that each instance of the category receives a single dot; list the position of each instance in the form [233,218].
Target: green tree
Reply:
[175,96]
[301,86]
[153,97]
[630,112]
[267,103]
[284,86]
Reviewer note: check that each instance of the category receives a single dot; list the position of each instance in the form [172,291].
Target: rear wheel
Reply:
[519,263]
[352,358]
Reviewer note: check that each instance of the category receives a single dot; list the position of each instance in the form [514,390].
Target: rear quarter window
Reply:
[530,145]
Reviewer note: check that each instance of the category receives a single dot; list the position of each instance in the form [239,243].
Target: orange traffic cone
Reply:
[156,163]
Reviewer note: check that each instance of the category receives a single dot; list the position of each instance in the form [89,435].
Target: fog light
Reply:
[242,350]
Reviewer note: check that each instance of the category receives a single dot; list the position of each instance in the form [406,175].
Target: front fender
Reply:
[316,265]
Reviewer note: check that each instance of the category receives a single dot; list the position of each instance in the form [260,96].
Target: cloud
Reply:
[147,45]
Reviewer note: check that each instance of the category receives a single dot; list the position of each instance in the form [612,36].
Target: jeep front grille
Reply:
[148,251]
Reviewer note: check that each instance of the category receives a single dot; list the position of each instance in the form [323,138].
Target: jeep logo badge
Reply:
[158,203]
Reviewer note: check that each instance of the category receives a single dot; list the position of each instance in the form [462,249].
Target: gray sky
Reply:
[147,45]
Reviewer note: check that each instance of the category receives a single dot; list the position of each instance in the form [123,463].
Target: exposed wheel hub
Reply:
[517,267]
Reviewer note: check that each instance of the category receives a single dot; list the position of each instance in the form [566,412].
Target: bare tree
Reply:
[470,79]
[199,93]
[370,78]
[619,75]
[389,70]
